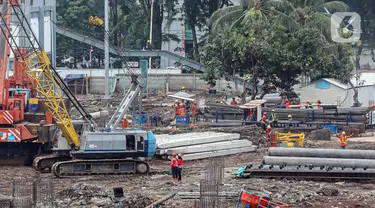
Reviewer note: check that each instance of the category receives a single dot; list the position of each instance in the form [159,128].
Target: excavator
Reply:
[96,150]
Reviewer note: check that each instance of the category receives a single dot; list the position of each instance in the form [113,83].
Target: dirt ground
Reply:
[158,183]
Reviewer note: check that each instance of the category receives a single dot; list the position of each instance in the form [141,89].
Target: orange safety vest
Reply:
[264,119]
[124,124]
[194,110]
[233,103]
[177,109]
[343,140]
[287,105]
[182,111]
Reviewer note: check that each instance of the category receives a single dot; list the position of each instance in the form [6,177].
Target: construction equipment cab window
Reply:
[130,142]
[140,143]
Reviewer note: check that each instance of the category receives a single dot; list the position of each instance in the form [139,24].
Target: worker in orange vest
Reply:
[182,110]
[287,103]
[194,112]
[319,104]
[233,102]
[174,166]
[343,139]
[264,121]
[180,163]
[124,123]
[177,108]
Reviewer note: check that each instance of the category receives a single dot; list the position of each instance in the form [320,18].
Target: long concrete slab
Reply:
[203,155]
[207,147]
[198,140]
[333,162]
[166,137]
[181,137]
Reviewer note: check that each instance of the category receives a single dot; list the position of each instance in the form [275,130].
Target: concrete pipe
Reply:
[333,162]
[322,153]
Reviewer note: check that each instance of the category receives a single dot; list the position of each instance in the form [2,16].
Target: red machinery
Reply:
[18,127]
[258,198]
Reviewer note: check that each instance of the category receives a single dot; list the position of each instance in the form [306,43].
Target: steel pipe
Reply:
[322,153]
[333,162]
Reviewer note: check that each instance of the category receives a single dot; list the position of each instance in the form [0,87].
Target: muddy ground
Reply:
[158,183]
[140,190]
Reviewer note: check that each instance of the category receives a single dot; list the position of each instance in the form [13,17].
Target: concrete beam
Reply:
[207,147]
[198,140]
[203,155]
[322,153]
[180,137]
[333,162]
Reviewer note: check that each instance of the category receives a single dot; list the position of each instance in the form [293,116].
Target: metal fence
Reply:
[26,194]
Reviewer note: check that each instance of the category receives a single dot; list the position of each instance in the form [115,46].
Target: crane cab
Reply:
[116,145]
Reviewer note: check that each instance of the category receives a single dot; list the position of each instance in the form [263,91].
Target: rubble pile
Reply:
[85,195]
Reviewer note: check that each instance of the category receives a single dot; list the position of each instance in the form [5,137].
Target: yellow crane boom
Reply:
[38,68]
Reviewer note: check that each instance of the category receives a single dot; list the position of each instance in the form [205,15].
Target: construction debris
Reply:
[202,145]
[85,195]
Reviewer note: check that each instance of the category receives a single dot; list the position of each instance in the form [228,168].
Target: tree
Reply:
[234,15]
[273,53]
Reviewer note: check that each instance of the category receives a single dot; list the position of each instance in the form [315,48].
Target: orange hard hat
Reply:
[318,101]
[174,154]
[195,102]
[265,113]
[180,154]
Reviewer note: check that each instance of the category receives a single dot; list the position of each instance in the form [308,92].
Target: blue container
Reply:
[33,108]
[332,128]
[182,120]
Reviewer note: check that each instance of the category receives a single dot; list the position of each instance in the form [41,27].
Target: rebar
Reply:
[26,194]
[211,186]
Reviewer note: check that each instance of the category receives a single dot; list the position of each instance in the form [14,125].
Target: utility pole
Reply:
[106,50]
[151,23]
[91,50]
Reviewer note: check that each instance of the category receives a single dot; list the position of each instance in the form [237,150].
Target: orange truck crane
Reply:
[24,132]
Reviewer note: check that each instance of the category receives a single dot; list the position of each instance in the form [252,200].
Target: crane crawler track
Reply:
[99,167]
[44,163]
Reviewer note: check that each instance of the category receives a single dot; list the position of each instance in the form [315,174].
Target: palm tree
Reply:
[234,15]
[317,13]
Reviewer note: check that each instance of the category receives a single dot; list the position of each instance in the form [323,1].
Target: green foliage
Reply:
[271,51]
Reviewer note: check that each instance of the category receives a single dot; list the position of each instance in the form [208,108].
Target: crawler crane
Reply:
[108,150]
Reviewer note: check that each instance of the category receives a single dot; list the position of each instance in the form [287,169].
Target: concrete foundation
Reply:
[333,162]
[321,153]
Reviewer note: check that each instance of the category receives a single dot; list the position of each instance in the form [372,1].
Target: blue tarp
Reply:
[71,77]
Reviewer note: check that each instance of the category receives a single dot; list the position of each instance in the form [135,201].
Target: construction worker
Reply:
[233,102]
[194,112]
[308,104]
[267,133]
[273,118]
[319,104]
[343,139]
[177,108]
[180,163]
[148,46]
[290,119]
[182,110]
[183,89]
[124,123]
[264,121]
[174,166]
[287,103]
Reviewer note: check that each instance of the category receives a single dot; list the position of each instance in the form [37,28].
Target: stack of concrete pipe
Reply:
[320,157]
